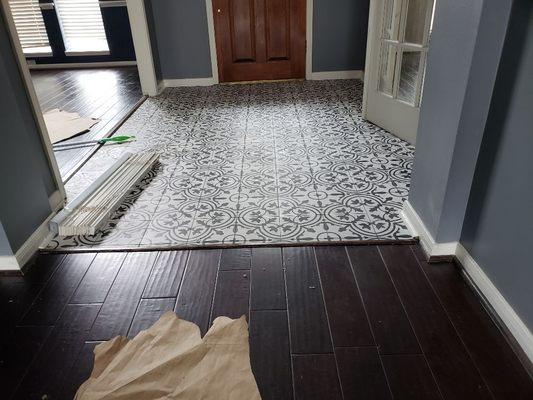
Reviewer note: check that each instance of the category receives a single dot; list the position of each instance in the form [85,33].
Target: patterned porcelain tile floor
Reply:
[256,164]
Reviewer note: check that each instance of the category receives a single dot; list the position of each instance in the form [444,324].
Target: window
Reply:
[30,27]
[82,26]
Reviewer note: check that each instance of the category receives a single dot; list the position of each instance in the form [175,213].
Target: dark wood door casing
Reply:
[260,39]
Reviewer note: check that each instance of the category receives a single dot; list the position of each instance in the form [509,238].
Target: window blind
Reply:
[30,26]
[81,25]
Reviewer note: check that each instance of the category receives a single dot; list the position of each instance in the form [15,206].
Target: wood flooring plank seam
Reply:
[410,323]
[327,319]
[288,323]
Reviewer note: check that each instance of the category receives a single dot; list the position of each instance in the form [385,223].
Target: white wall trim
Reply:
[189,82]
[418,229]
[212,40]
[84,65]
[31,246]
[143,47]
[309,40]
[318,76]
[9,263]
[56,201]
[502,308]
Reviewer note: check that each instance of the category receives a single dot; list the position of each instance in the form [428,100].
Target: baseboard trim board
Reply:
[9,264]
[319,76]
[189,82]
[434,251]
[501,307]
[84,65]
[56,201]
[31,246]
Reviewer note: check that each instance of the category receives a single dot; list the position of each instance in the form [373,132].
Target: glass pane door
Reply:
[404,43]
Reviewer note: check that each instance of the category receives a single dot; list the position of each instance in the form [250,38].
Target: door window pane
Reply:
[391,19]
[416,20]
[408,76]
[386,68]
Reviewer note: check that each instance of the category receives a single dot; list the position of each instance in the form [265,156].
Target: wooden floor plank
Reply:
[232,294]
[148,312]
[267,280]
[235,259]
[98,280]
[410,378]
[308,323]
[454,370]
[58,354]
[18,348]
[503,372]
[16,297]
[315,377]
[43,268]
[50,303]
[62,89]
[346,314]
[121,303]
[361,373]
[80,371]
[270,354]
[166,275]
[196,292]
[391,327]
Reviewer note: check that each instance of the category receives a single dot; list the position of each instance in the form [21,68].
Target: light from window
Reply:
[82,26]
[30,27]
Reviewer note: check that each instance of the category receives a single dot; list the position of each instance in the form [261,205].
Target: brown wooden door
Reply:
[260,39]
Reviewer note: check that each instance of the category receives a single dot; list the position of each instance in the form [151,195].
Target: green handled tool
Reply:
[112,139]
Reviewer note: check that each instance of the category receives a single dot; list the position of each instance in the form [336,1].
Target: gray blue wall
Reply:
[26,178]
[498,225]
[339,36]
[182,38]
[462,62]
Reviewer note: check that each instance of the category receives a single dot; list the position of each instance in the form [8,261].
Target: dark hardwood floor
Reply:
[327,322]
[104,93]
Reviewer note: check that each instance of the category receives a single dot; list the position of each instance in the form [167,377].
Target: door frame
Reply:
[308,40]
[145,66]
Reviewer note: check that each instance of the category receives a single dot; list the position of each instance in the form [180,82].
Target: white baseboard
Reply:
[84,65]
[502,308]
[428,243]
[318,76]
[31,246]
[9,263]
[189,82]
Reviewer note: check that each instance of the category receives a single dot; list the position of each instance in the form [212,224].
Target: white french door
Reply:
[397,44]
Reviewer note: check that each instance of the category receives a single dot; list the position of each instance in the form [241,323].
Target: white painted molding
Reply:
[9,263]
[418,229]
[143,47]
[502,308]
[212,39]
[318,76]
[31,246]
[309,40]
[189,82]
[84,65]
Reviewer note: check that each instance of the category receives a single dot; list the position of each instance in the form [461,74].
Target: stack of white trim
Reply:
[90,210]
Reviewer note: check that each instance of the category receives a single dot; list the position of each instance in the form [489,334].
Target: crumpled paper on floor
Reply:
[170,360]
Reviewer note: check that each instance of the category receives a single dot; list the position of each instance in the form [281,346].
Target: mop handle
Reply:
[113,139]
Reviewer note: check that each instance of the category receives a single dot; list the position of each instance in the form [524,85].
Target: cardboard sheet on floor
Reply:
[171,361]
[62,125]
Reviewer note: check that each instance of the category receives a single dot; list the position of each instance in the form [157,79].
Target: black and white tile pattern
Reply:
[256,164]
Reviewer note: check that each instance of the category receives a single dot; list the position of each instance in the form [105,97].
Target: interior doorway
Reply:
[78,61]
[260,40]
[397,45]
